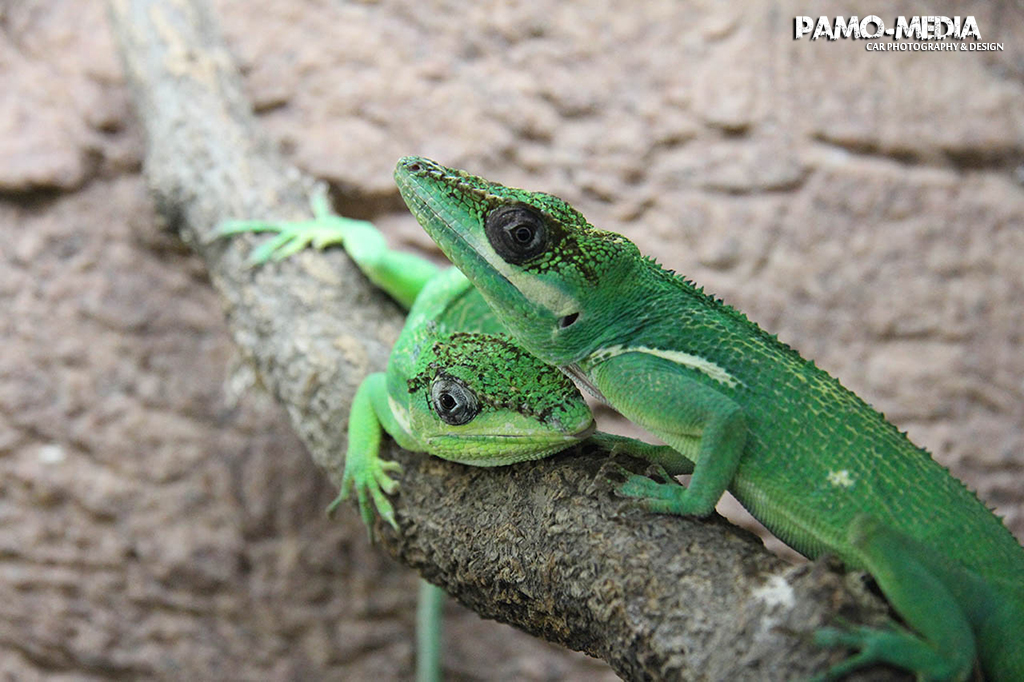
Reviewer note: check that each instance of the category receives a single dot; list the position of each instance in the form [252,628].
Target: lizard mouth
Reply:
[520,446]
[583,433]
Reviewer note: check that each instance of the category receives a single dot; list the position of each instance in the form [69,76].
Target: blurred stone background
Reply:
[158,521]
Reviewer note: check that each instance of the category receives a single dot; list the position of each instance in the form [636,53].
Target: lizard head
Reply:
[481,399]
[556,282]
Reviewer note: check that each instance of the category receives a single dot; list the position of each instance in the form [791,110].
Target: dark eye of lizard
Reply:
[517,233]
[455,404]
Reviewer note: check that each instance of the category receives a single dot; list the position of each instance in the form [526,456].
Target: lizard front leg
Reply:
[702,424]
[365,471]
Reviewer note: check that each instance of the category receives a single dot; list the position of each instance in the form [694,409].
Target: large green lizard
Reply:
[455,387]
[816,464]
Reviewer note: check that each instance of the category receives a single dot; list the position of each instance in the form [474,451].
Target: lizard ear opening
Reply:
[454,403]
[567,320]
[517,233]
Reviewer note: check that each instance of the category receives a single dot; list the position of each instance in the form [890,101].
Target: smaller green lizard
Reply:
[456,386]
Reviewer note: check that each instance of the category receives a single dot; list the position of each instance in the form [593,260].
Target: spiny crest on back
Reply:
[502,375]
[690,288]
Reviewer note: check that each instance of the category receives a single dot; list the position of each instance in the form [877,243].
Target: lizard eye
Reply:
[517,233]
[455,404]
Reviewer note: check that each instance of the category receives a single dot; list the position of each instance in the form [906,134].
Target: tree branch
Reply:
[543,546]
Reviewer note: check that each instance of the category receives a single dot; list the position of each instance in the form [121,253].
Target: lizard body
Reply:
[808,458]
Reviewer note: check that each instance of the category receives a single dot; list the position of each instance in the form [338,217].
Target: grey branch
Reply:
[545,546]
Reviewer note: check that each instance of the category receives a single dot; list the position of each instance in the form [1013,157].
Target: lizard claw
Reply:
[621,477]
[369,477]
[385,482]
[656,471]
[852,638]
[640,490]
[614,473]
[871,645]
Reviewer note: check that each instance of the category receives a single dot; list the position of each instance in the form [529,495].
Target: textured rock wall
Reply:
[156,519]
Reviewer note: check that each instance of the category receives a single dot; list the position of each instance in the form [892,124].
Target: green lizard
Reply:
[813,462]
[455,387]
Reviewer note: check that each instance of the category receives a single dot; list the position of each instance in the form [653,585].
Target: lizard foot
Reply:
[290,237]
[370,479]
[892,645]
[660,498]
[624,482]
[324,230]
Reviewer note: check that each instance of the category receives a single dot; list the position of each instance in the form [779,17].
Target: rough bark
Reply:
[545,547]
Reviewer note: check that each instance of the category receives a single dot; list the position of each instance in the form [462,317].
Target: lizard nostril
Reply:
[414,167]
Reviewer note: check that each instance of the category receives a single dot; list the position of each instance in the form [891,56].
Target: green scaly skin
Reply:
[452,344]
[813,462]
